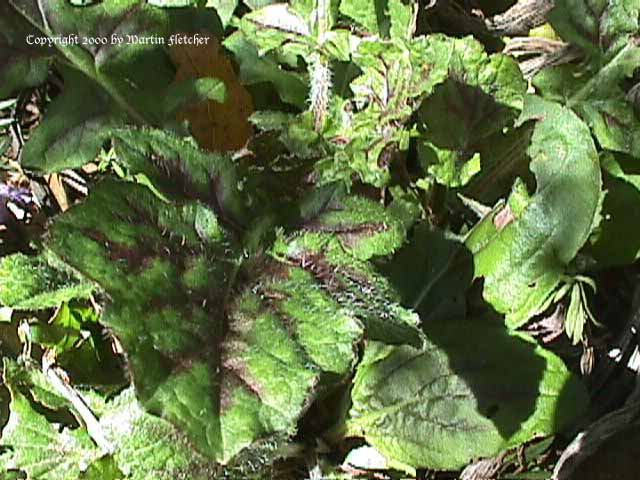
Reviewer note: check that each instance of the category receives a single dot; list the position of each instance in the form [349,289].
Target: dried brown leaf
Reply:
[216,127]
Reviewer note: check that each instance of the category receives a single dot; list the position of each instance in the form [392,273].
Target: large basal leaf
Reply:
[473,391]
[228,355]
[225,378]
[522,248]
[34,283]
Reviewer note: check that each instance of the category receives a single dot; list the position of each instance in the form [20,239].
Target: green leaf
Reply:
[447,167]
[397,76]
[616,242]
[103,469]
[595,25]
[114,53]
[456,400]
[482,97]
[576,317]
[271,26]
[363,12]
[432,273]
[503,158]
[111,52]
[597,97]
[295,133]
[193,91]
[29,381]
[66,330]
[73,130]
[224,8]
[39,449]
[255,69]
[365,228]
[332,248]
[403,19]
[34,283]
[38,446]
[133,432]
[523,248]
[578,21]
[242,370]
[247,363]
[475,108]
[120,64]
[180,170]
[22,63]
[607,31]
[143,446]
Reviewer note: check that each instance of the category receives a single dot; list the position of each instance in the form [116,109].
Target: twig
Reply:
[58,379]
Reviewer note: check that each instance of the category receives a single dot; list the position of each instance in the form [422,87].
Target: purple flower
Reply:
[21,197]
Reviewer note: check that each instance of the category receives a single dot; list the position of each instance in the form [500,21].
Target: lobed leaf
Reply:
[434,71]
[225,373]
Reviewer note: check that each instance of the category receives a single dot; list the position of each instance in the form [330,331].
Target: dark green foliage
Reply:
[405,207]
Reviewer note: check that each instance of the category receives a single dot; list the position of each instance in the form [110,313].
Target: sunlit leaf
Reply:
[523,259]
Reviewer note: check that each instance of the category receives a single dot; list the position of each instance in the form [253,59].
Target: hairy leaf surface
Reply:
[227,362]
[34,283]
[400,76]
